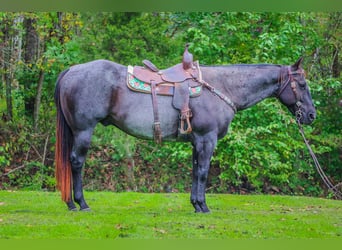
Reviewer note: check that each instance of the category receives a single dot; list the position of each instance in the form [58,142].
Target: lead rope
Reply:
[327,182]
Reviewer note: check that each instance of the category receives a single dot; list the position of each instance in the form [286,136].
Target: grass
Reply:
[41,215]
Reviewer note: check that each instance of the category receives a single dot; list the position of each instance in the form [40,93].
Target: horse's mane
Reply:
[241,65]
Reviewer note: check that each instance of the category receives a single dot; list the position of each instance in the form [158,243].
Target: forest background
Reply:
[263,151]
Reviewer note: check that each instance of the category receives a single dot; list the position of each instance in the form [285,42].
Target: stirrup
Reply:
[185,116]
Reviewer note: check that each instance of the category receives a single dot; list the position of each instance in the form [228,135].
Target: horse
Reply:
[96,92]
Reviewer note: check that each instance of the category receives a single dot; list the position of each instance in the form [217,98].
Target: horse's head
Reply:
[294,93]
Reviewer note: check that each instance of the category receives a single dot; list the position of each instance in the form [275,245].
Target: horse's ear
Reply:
[298,64]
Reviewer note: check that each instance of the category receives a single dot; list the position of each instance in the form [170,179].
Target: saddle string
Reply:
[327,182]
[222,96]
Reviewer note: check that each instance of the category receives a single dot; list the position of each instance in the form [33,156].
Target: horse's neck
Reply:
[245,85]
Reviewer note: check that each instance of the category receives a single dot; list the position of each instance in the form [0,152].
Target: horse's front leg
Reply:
[202,152]
[194,188]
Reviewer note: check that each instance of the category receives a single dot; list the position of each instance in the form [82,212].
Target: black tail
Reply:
[64,140]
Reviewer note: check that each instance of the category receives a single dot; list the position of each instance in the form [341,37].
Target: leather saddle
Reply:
[179,81]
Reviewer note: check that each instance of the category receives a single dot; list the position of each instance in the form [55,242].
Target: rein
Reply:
[327,182]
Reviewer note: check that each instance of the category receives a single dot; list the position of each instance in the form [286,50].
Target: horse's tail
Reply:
[64,140]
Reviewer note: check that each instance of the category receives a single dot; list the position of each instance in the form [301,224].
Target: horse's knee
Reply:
[203,174]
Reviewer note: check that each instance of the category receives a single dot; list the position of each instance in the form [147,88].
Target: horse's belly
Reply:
[138,119]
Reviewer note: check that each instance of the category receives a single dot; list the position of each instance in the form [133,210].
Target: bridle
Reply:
[286,78]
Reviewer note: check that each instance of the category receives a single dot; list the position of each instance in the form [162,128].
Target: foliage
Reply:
[326,134]
[128,38]
[270,147]
[221,38]
[263,151]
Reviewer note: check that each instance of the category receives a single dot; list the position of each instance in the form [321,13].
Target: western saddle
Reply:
[179,81]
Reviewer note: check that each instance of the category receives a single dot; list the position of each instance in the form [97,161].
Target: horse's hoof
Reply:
[87,209]
[203,212]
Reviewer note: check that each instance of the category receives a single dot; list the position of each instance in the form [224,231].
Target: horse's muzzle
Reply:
[305,117]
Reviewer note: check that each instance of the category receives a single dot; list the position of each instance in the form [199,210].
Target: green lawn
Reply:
[42,215]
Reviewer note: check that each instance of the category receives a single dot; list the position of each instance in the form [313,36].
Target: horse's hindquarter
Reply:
[86,93]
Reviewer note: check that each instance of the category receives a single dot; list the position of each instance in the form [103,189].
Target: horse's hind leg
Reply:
[79,151]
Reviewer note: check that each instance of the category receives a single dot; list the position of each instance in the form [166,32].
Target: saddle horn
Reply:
[187,58]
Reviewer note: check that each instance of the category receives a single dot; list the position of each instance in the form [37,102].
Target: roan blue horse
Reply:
[97,91]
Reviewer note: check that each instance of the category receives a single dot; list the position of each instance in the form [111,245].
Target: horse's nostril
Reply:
[312,116]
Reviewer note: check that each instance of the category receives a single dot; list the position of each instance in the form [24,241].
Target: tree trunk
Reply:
[334,30]
[6,65]
[8,96]
[38,100]
[30,57]
[336,69]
